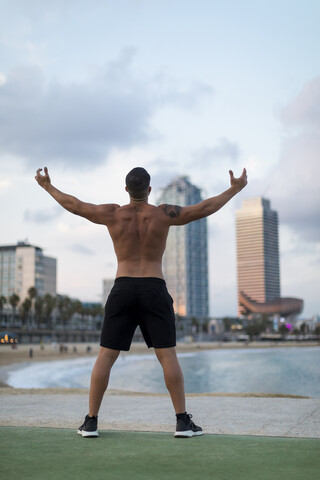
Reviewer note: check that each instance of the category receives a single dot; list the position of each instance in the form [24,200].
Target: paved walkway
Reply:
[275,417]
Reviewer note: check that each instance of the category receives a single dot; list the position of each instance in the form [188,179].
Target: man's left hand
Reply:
[43,180]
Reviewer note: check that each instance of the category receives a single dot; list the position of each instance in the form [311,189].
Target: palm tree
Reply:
[32,292]
[38,308]
[3,301]
[65,309]
[14,299]
[77,307]
[96,311]
[49,304]
[25,309]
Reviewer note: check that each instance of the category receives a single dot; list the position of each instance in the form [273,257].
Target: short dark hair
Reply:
[137,182]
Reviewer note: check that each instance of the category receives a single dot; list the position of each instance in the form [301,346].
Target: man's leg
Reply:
[173,377]
[175,384]
[100,378]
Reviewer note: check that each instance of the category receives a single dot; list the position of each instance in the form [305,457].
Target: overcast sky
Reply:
[93,88]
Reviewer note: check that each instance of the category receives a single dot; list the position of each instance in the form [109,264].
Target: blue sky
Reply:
[94,88]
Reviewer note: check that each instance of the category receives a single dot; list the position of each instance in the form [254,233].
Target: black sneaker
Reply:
[185,427]
[89,428]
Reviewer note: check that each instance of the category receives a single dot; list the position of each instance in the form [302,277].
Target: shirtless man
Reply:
[139,297]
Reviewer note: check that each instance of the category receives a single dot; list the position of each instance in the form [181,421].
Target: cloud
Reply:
[184,97]
[304,110]
[77,123]
[162,173]
[293,184]
[224,150]
[4,184]
[42,216]
[298,172]
[73,123]
[82,249]
[213,163]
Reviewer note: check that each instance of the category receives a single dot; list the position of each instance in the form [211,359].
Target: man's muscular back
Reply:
[139,235]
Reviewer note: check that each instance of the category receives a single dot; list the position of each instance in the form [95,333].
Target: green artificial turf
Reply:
[47,453]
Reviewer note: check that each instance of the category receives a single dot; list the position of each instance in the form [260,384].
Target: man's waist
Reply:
[129,279]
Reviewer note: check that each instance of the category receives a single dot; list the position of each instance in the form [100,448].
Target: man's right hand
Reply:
[43,180]
[240,182]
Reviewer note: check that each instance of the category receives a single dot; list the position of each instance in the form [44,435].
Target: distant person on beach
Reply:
[139,296]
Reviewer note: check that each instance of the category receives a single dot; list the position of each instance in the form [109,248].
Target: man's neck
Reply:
[138,203]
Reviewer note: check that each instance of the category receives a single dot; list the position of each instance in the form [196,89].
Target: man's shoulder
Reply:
[108,207]
[169,210]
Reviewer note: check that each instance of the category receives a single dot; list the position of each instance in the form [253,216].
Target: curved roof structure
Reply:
[282,306]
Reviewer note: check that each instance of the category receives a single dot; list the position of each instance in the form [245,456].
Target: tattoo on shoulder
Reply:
[172,211]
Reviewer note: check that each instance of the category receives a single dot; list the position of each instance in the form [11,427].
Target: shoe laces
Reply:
[188,417]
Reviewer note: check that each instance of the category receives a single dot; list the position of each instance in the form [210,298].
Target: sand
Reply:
[48,352]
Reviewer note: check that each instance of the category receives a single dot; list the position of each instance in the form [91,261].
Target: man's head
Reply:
[138,183]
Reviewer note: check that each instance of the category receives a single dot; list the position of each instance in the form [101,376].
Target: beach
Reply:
[221,413]
[47,352]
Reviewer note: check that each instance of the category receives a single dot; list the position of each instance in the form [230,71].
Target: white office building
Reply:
[23,266]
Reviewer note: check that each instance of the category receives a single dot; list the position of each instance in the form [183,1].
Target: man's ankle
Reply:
[181,415]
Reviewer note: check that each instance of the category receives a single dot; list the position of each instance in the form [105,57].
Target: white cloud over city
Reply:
[92,89]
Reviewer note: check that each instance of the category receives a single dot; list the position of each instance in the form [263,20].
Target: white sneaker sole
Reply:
[187,434]
[88,434]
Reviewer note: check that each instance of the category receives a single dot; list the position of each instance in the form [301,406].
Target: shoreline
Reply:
[47,352]
[128,393]
[13,359]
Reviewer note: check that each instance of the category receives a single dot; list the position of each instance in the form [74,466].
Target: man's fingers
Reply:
[231,174]
[45,172]
[244,175]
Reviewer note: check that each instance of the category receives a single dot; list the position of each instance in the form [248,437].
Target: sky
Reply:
[93,88]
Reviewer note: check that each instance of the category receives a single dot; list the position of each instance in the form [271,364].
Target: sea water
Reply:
[294,370]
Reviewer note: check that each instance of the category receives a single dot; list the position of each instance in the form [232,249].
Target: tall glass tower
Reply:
[257,251]
[185,262]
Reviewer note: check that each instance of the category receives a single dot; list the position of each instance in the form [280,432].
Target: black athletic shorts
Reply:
[139,301]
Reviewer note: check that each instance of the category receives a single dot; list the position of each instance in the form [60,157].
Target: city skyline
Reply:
[258,269]
[91,90]
[177,192]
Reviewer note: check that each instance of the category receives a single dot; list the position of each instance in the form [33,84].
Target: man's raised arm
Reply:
[95,213]
[183,215]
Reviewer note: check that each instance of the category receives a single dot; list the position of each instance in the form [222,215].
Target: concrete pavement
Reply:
[227,415]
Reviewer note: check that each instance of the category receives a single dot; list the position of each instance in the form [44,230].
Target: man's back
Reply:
[139,235]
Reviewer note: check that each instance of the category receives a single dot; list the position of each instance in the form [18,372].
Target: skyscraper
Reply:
[257,251]
[23,266]
[185,262]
